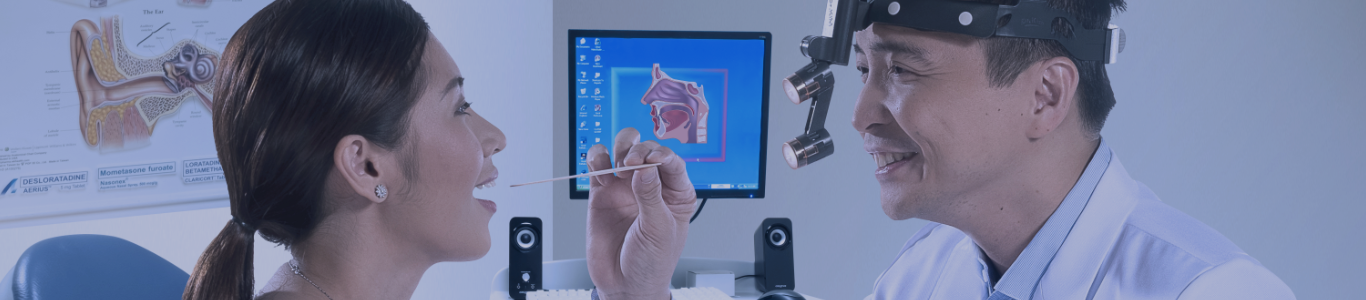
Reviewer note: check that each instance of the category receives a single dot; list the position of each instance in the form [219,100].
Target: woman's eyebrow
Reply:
[455,82]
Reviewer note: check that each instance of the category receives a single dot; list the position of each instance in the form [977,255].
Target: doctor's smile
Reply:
[893,156]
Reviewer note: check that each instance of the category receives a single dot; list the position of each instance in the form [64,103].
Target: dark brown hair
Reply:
[1007,57]
[294,79]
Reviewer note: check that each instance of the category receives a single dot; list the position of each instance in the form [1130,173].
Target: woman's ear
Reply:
[365,167]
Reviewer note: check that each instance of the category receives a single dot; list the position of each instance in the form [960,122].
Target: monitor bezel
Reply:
[575,34]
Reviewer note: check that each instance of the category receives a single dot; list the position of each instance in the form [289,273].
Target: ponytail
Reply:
[224,271]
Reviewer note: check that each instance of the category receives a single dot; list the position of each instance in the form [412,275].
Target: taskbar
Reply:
[712,186]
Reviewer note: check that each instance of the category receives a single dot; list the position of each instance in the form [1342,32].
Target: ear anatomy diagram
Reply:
[678,108]
[122,94]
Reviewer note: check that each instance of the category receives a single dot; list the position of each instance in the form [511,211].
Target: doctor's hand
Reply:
[637,220]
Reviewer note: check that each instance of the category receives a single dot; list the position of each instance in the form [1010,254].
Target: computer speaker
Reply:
[773,268]
[524,256]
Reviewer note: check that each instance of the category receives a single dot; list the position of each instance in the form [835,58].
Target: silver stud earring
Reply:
[381,191]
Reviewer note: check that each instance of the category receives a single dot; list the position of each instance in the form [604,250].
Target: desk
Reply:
[572,274]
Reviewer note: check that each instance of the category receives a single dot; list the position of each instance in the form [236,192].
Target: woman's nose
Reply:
[490,137]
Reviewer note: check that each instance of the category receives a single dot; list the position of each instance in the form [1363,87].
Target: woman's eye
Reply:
[464,109]
[898,70]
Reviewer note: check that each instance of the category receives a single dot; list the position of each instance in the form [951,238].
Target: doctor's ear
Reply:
[366,168]
[1055,84]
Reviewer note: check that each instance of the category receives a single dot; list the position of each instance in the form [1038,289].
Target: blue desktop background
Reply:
[614,73]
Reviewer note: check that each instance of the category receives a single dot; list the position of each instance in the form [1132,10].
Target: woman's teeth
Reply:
[487,185]
[886,158]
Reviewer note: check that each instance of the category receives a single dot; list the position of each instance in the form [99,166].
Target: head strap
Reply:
[1026,19]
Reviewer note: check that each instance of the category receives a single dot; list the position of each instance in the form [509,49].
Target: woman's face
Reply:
[451,148]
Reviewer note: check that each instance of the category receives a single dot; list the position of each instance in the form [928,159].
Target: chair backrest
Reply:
[87,266]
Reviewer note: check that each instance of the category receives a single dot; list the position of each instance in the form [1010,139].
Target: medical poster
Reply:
[108,104]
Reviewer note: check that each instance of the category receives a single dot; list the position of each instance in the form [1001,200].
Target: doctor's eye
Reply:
[897,70]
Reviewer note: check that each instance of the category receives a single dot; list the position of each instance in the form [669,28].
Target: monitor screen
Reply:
[702,94]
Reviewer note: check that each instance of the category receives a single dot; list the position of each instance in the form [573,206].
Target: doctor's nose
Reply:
[869,110]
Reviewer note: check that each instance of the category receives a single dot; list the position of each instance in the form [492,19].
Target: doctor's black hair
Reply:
[1007,57]
[294,79]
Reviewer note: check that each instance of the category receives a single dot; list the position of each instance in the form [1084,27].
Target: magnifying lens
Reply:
[815,82]
[808,148]
[809,80]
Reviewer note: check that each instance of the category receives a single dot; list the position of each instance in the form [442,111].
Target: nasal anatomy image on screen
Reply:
[678,108]
[122,94]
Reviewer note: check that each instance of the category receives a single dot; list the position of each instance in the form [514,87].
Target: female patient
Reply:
[345,136]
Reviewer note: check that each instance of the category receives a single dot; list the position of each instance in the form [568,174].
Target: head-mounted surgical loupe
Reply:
[1025,19]
[816,83]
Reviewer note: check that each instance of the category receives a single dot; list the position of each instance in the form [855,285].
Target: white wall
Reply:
[1246,115]
[503,49]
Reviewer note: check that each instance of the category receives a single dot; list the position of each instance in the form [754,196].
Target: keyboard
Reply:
[701,293]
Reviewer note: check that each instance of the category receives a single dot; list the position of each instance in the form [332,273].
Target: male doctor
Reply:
[997,142]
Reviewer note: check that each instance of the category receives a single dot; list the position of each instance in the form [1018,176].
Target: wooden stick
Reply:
[594,173]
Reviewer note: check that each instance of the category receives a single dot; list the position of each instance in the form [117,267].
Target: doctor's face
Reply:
[936,130]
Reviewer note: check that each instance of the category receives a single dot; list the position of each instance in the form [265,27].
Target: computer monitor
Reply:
[702,94]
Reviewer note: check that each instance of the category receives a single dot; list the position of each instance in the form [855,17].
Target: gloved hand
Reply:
[637,220]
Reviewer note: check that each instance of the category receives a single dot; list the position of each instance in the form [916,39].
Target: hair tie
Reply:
[243,224]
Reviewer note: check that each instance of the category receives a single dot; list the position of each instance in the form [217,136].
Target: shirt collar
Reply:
[1020,281]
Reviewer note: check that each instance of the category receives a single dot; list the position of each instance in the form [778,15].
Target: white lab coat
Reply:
[1126,244]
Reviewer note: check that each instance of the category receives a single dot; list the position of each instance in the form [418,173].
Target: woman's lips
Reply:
[488,182]
[492,207]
